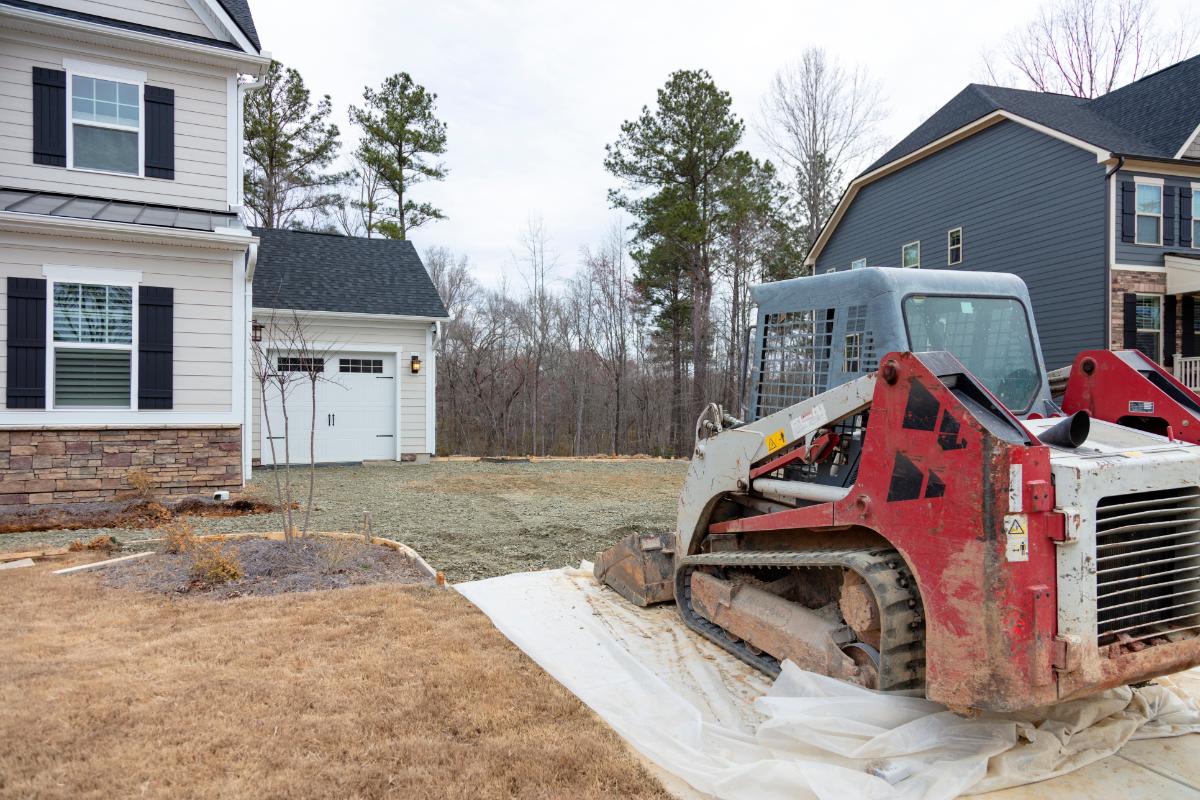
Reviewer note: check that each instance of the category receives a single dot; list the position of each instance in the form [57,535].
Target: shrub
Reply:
[213,565]
[76,546]
[180,537]
[140,481]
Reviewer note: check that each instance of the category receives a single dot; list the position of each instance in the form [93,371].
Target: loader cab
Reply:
[819,332]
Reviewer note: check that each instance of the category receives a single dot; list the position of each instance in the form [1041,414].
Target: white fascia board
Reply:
[26,19]
[348,315]
[970,129]
[1188,142]
[17,222]
[1183,169]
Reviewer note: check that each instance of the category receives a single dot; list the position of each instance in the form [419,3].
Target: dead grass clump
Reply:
[213,564]
[179,537]
[337,555]
[141,482]
[103,543]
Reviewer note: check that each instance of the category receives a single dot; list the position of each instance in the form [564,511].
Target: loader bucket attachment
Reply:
[640,567]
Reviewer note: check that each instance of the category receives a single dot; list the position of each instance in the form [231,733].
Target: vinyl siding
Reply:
[1027,203]
[172,15]
[203,284]
[201,100]
[1193,149]
[1144,255]
[347,333]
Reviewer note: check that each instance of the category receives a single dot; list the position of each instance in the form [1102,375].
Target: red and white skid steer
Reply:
[907,507]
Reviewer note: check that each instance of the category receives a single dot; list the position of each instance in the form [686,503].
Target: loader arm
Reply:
[1127,388]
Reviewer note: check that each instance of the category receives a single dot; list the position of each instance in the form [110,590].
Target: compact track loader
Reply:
[906,507]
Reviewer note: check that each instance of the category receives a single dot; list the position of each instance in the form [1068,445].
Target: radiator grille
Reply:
[1148,564]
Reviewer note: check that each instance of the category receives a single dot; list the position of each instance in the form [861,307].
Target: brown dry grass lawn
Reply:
[374,691]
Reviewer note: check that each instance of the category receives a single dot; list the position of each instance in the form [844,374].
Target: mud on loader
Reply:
[908,509]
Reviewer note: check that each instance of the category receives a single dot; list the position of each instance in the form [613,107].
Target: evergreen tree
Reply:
[289,145]
[401,137]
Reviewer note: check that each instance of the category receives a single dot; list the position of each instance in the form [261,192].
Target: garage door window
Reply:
[294,364]
[367,365]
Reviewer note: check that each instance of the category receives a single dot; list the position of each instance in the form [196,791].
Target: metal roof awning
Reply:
[1183,273]
[23,201]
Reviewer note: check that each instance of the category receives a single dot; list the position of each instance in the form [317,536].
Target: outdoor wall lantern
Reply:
[256,329]
[415,362]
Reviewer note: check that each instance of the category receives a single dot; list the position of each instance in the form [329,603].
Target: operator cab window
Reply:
[989,335]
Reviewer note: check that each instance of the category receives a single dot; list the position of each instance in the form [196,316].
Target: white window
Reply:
[105,118]
[1195,215]
[910,255]
[858,263]
[1148,225]
[954,246]
[92,345]
[1149,325]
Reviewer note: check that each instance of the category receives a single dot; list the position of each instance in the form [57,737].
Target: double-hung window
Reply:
[105,130]
[954,246]
[1195,215]
[858,263]
[910,255]
[1148,208]
[92,347]
[1149,325]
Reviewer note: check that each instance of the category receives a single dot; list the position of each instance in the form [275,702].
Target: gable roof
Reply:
[1155,116]
[239,12]
[330,272]
[96,19]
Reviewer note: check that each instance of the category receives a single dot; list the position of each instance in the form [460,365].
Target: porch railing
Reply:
[1187,371]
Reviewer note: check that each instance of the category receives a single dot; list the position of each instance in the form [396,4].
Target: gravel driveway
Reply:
[467,518]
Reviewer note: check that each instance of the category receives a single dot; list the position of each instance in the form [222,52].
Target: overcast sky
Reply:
[532,91]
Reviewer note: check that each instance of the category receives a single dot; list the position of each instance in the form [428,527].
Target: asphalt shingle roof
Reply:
[327,272]
[1151,117]
[239,11]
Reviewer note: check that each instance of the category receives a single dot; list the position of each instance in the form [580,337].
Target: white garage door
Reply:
[356,410]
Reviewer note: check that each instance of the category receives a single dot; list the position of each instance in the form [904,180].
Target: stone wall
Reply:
[63,465]
[1124,281]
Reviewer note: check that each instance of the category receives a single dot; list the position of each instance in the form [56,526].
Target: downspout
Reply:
[248,408]
[1110,248]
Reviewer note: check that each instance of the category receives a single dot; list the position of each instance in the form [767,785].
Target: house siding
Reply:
[203,282]
[405,336]
[1145,255]
[1193,149]
[201,130]
[171,15]
[1028,204]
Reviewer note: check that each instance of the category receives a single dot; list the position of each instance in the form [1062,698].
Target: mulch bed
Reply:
[131,513]
[273,567]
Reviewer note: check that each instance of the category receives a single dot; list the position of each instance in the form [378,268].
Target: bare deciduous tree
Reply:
[1087,48]
[820,119]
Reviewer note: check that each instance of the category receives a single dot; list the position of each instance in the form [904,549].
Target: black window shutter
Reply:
[1169,303]
[1185,217]
[1129,342]
[26,385]
[1187,345]
[160,132]
[1127,211]
[1168,222]
[156,344]
[49,117]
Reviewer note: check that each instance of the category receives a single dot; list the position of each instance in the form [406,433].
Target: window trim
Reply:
[860,262]
[904,247]
[84,69]
[1157,183]
[950,262]
[96,277]
[1158,357]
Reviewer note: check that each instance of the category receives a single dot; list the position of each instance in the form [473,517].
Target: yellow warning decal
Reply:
[1016,534]
[775,441]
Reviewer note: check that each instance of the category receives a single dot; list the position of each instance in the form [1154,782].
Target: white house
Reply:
[126,274]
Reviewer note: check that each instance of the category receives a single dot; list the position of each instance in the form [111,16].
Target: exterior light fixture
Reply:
[256,329]
[415,364]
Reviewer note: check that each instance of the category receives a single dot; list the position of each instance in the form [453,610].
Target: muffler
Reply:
[640,568]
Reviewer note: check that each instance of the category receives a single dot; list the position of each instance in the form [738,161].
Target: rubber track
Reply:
[902,639]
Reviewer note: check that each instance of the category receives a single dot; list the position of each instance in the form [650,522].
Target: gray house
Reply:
[1089,201]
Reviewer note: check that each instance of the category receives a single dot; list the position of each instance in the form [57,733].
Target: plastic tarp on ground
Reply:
[731,732]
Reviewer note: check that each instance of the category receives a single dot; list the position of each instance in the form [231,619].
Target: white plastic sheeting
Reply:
[701,714]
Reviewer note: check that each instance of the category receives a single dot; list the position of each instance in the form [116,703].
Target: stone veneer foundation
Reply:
[72,464]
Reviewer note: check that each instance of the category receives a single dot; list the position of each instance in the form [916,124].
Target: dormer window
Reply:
[105,106]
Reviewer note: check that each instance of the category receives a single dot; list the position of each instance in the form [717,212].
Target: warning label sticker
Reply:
[1016,535]
[775,441]
[809,421]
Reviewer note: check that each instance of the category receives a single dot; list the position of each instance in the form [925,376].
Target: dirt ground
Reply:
[271,567]
[469,519]
[368,691]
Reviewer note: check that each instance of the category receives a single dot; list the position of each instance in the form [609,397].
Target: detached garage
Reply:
[370,316]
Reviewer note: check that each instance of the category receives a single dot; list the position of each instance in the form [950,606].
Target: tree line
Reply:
[619,350]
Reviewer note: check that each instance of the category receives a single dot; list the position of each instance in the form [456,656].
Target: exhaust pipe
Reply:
[1070,432]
